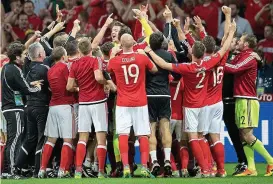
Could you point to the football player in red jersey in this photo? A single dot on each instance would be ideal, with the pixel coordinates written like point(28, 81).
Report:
point(131, 110)
point(61, 118)
point(196, 79)
point(92, 104)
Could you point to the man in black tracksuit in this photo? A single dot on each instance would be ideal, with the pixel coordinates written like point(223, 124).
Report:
point(158, 93)
point(14, 86)
point(36, 108)
point(229, 119)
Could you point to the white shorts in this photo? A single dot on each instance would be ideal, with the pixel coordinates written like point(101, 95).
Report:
point(194, 119)
point(96, 114)
point(176, 125)
point(137, 117)
point(214, 118)
point(61, 122)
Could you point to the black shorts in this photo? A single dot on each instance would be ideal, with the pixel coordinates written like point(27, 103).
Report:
point(159, 107)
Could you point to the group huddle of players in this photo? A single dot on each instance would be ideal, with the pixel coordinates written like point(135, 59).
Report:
point(157, 91)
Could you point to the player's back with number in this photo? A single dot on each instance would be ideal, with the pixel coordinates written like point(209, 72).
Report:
point(130, 73)
point(196, 80)
point(215, 82)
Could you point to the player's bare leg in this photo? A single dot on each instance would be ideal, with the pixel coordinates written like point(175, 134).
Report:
point(218, 153)
point(251, 144)
point(66, 155)
point(46, 154)
point(198, 153)
point(153, 142)
point(164, 128)
point(101, 153)
point(80, 153)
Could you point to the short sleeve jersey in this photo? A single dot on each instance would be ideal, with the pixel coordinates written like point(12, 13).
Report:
point(130, 73)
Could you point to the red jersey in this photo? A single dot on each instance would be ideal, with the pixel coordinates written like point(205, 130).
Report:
point(176, 90)
point(19, 32)
point(35, 22)
point(196, 80)
point(70, 61)
point(75, 11)
point(266, 46)
point(210, 15)
point(252, 8)
point(98, 10)
point(136, 47)
point(83, 71)
point(215, 83)
point(57, 77)
point(130, 73)
point(244, 68)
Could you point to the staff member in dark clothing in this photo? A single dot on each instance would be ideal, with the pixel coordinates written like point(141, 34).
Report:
point(229, 115)
point(36, 108)
point(159, 105)
point(14, 86)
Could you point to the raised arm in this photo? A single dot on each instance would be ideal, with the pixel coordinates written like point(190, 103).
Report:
point(100, 35)
point(228, 41)
point(227, 11)
point(58, 27)
point(258, 17)
point(142, 17)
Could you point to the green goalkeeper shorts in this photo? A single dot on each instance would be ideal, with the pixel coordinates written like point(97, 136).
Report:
point(247, 113)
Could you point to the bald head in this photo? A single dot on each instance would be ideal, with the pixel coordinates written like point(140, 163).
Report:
point(127, 41)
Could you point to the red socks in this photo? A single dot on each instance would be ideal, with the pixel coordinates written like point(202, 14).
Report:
point(66, 155)
point(184, 156)
point(47, 151)
point(80, 154)
point(206, 149)
point(198, 153)
point(124, 148)
point(174, 168)
point(218, 153)
point(101, 154)
point(2, 150)
point(144, 150)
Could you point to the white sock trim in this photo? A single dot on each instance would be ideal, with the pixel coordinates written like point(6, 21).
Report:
point(102, 146)
point(68, 144)
point(217, 142)
point(183, 147)
point(193, 140)
point(50, 144)
point(2, 144)
point(82, 142)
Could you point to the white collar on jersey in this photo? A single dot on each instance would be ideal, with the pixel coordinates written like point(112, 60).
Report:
point(128, 52)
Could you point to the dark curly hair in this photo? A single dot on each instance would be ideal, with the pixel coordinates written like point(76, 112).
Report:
point(15, 49)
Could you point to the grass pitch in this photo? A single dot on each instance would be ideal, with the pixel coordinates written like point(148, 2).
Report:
point(260, 179)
